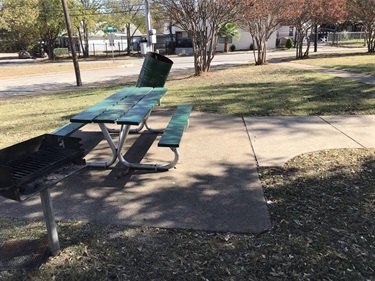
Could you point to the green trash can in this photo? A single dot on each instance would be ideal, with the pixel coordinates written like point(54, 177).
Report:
point(155, 70)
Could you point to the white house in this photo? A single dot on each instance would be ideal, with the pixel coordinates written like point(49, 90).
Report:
point(244, 41)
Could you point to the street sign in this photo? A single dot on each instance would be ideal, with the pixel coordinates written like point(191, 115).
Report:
point(110, 29)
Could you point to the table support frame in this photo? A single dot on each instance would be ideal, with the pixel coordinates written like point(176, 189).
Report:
point(117, 150)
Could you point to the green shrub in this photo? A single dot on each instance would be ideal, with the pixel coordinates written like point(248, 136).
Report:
point(61, 52)
point(289, 43)
point(232, 48)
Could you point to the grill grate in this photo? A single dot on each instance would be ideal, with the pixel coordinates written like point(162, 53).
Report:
point(25, 167)
point(39, 163)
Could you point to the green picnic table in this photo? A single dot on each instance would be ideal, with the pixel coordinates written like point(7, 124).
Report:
point(132, 107)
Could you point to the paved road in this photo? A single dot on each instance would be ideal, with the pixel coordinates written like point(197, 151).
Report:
point(128, 73)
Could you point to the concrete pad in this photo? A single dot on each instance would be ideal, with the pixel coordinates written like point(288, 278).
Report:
point(275, 140)
point(215, 185)
point(360, 128)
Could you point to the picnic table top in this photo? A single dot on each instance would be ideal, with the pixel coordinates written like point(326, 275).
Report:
point(128, 106)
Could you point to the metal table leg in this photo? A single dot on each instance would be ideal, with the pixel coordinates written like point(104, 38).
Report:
point(122, 138)
point(116, 150)
point(53, 238)
point(112, 145)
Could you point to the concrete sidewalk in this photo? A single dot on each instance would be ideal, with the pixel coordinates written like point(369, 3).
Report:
point(215, 185)
point(275, 140)
point(359, 77)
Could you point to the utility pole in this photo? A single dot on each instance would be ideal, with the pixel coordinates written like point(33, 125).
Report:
point(148, 26)
point(316, 38)
point(72, 45)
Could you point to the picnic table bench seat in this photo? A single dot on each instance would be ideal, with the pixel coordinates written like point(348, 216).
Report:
point(68, 129)
point(176, 127)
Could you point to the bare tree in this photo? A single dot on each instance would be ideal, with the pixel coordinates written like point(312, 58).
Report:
point(307, 13)
point(262, 18)
point(202, 20)
point(364, 11)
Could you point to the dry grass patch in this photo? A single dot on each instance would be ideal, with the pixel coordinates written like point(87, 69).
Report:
point(352, 62)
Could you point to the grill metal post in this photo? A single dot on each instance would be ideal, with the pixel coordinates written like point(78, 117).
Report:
point(53, 238)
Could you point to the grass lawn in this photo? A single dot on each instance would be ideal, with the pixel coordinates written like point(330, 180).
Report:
point(354, 62)
point(353, 43)
point(270, 90)
point(26, 117)
point(321, 204)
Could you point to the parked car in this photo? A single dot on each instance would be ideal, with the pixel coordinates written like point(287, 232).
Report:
point(23, 54)
point(323, 34)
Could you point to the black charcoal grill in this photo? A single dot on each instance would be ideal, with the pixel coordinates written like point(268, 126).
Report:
point(33, 165)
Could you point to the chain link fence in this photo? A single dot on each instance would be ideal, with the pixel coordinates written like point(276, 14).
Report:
point(347, 38)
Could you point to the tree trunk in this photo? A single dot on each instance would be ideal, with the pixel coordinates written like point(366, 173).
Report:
point(299, 44)
point(308, 43)
point(197, 55)
point(197, 65)
point(86, 48)
point(370, 39)
point(204, 48)
point(264, 53)
point(51, 50)
point(170, 27)
point(306, 54)
point(261, 58)
point(226, 44)
point(260, 46)
point(79, 38)
point(128, 38)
